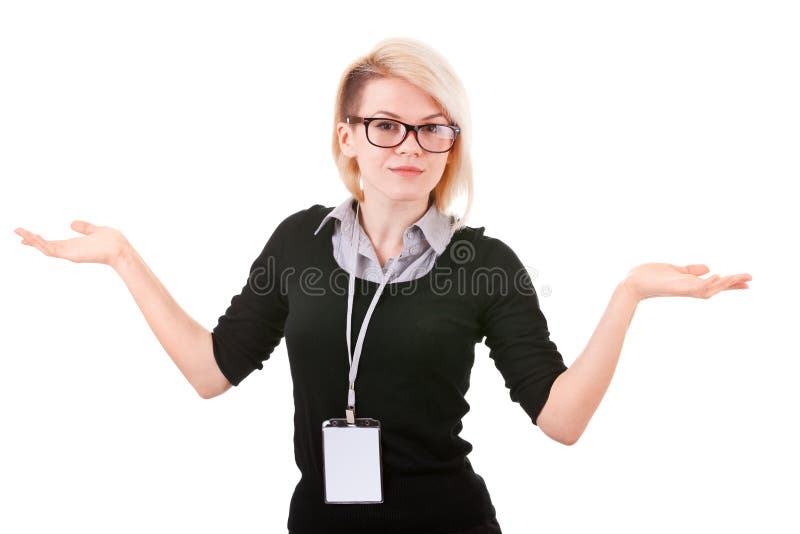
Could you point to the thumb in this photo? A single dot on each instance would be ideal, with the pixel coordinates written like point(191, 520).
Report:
point(83, 227)
point(695, 268)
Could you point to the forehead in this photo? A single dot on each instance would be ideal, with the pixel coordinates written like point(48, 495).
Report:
point(399, 97)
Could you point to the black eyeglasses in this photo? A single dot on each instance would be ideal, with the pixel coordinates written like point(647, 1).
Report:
point(389, 133)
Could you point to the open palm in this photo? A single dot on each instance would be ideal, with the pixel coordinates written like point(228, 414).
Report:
point(101, 244)
point(667, 280)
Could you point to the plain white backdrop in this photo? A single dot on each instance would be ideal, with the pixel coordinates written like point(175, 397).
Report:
point(606, 134)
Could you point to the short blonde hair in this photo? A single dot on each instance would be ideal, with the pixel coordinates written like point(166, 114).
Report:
point(422, 66)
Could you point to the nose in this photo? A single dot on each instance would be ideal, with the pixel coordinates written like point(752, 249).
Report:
point(410, 145)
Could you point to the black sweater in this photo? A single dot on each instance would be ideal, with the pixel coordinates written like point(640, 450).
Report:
point(413, 374)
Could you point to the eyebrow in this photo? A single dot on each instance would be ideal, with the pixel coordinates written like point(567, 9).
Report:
point(429, 117)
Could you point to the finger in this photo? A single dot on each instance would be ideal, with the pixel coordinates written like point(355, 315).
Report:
point(727, 282)
point(83, 227)
point(736, 278)
point(739, 281)
point(21, 232)
point(696, 269)
point(27, 237)
point(36, 241)
point(706, 287)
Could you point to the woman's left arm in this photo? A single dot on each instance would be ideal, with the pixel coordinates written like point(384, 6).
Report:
point(577, 392)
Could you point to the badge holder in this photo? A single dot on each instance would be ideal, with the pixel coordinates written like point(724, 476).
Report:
point(351, 447)
point(352, 461)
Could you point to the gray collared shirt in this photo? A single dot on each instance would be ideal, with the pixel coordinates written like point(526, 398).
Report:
point(423, 242)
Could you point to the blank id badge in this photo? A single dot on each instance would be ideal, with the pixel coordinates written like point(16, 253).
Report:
point(352, 461)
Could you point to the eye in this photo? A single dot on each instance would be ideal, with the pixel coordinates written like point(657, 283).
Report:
point(386, 126)
point(438, 130)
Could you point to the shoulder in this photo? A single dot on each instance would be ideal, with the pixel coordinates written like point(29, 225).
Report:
point(303, 222)
point(502, 280)
point(487, 250)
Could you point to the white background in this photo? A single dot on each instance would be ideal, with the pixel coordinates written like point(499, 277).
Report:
point(606, 134)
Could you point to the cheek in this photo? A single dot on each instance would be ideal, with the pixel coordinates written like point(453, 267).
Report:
point(441, 164)
point(370, 160)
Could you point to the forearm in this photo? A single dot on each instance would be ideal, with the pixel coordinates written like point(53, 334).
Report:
point(577, 392)
point(186, 341)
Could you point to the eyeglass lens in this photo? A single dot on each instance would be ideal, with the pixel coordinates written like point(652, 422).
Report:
point(389, 133)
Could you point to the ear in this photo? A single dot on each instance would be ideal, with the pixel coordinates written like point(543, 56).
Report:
point(449, 157)
point(345, 134)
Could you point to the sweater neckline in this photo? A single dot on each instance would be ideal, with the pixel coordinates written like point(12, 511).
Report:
point(329, 229)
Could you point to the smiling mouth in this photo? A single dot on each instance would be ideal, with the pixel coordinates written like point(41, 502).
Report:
point(408, 172)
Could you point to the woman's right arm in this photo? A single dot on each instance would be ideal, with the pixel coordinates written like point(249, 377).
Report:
point(186, 341)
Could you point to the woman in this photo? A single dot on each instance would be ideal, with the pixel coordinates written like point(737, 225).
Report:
point(391, 261)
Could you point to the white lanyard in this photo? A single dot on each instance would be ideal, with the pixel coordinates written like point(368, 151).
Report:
point(351, 393)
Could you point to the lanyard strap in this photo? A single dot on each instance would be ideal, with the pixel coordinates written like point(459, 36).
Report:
point(355, 356)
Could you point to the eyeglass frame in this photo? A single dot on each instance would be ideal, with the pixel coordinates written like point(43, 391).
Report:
point(352, 119)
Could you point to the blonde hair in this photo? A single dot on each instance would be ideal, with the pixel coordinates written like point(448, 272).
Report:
point(420, 65)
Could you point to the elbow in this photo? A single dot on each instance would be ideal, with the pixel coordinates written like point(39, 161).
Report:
point(214, 390)
point(205, 393)
point(211, 382)
point(207, 389)
point(557, 421)
point(569, 439)
point(567, 434)
point(564, 437)
point(557, 431)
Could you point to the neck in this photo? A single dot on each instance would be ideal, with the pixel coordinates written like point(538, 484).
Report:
point(384, 220)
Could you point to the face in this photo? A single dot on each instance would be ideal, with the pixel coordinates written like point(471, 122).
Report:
point(395, 99)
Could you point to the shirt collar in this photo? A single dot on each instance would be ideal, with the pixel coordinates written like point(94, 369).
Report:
point(437, 227)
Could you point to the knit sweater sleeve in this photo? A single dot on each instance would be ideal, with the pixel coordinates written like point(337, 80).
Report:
point(516, 332)
point(253, 324)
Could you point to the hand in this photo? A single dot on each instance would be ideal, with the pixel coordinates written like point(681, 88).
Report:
point(102, 244)
point(666, 280)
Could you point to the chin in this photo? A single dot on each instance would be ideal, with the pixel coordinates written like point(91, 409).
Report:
point(402, 193)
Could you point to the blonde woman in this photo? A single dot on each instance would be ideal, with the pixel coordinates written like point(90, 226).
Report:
point(381, 344)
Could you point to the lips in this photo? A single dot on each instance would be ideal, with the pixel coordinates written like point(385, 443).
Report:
point(414, 169)
point(407, 171)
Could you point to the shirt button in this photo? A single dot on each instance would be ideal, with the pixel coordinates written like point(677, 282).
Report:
point(410, 234)
point(413, 250)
